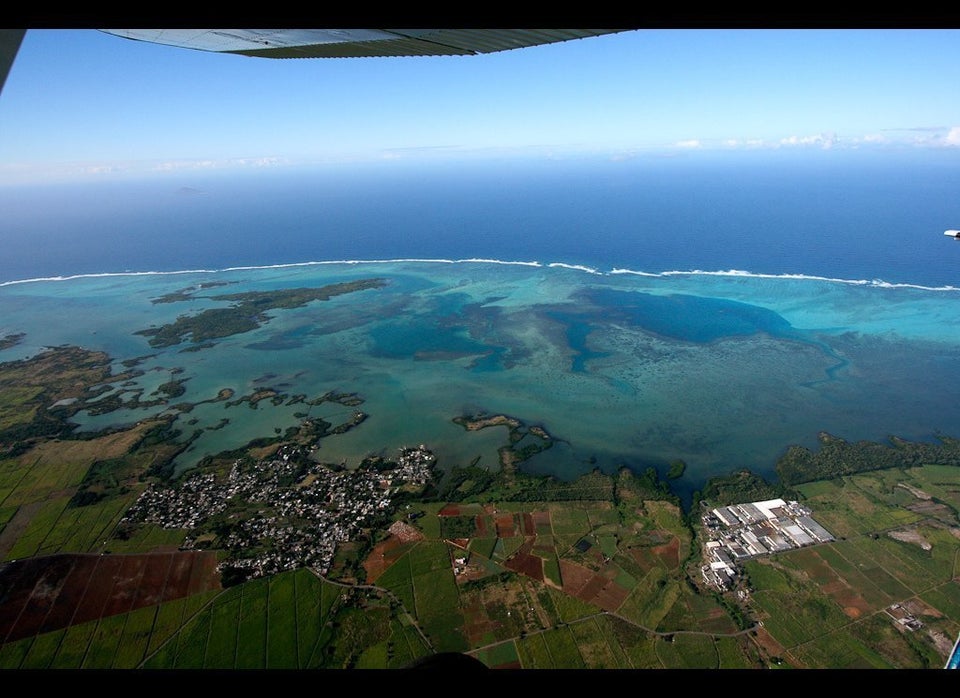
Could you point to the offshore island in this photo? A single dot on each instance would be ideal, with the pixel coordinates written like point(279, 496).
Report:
point(279, 559)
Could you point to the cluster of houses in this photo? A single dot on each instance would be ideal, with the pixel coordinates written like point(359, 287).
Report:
point(743, 531)
point(902, 615)
point(283, 512)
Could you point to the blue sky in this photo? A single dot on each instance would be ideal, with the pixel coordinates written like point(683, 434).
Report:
point(82, 103)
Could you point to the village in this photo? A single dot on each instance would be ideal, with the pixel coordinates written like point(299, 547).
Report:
point(283, 512)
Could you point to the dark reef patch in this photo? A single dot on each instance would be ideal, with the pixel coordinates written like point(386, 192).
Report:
point(689, 318)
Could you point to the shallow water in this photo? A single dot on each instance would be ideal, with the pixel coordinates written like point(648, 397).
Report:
point(723, 371)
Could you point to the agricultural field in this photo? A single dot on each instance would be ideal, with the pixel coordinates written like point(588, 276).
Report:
point(546, 604)
point(620, 599)
point(884, 594)
point(571, 571)
point(604, 573)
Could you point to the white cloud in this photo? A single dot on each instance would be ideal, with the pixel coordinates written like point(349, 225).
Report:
point(953, 136)
point(172, 165)
point(692, 143)
point(823, 140)
point(100, 169)
point(175, 165)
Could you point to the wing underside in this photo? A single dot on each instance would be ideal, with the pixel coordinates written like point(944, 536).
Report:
point(355, 43)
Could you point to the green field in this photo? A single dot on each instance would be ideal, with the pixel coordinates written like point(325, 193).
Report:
point(621, 588)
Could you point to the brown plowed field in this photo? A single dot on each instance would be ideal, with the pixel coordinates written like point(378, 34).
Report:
point(541, 519)
point(771, 647)
point(526, 563)
point(529, 565)
point(477, 623)
point(574, 577)
point(509, 665)
point(669, 553)
point(482, 530)
point(381, 557)
point(506, 527)
point(592, 588)
point(611, 596)
point(48, 593)
point(850, 601)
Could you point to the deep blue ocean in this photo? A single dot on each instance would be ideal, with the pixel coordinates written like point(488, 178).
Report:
point(860, 216)
point(711, 307)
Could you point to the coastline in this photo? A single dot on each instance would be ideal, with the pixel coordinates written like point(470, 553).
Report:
point(634, 524)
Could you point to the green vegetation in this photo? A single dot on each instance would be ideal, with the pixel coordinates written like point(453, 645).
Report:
point(295, 620)
point(286, 622)
point(677, 468)
point(837, 457)
point(38, 395)
point(685, 651)
point(600, 572)
point(247, 312)
point(741, 486)
point(457, 527)
point(172, 388)
point(593, 646)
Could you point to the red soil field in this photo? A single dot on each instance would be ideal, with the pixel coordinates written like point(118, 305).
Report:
point(669, 553)
point(388, 551)
point(644, 558)
point(849, 600)
point(482, 530)
point(505, 526)
point(529, 565)
point(48, 593)
point(525, 563)
point(592, 588)
point(477, 625)
point(611, 596)
point(509, 665)
point(771, 647)
point(574, 577)
point(380, 558)
point(541, 519)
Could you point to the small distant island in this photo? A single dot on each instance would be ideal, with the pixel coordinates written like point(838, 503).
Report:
point(11, 340)
point(185, 294)
point(247, 312)
point(476, 422)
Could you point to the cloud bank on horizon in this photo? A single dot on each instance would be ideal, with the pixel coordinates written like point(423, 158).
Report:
point(84, 103)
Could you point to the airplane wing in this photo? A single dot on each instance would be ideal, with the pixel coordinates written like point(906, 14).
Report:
point(330, 43)
point(355, 43)
point(10, 40)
